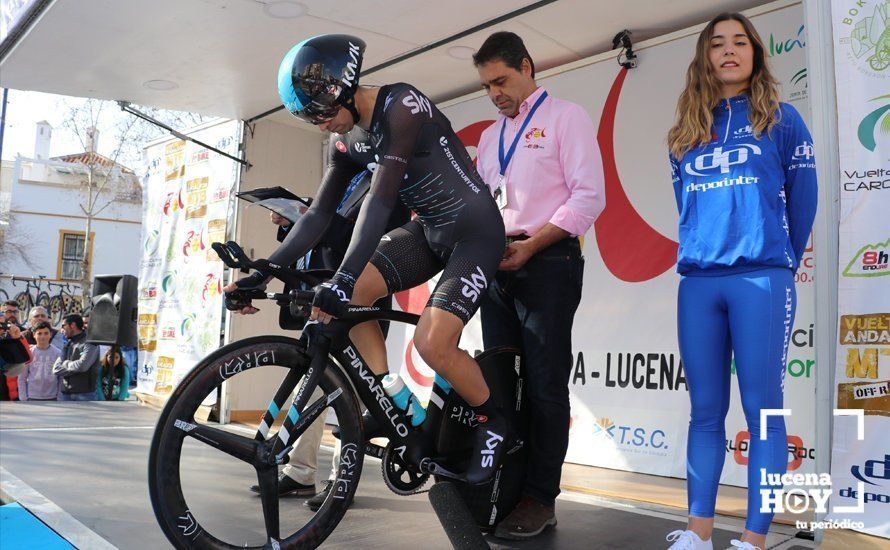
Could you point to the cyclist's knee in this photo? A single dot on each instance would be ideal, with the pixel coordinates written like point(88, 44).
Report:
point(434, 346)
point(369, 288)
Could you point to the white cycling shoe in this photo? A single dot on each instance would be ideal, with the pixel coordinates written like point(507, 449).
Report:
point(739, 545)
point(688, 540)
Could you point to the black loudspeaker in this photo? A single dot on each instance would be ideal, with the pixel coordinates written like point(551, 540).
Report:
point(114, 313)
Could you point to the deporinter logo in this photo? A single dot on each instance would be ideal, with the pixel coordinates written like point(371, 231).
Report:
point(720, 159)
point(351, 69)
point(417, 103)
point(474, 286)
point(804, 151)
point(362, 147)
point(745, 131)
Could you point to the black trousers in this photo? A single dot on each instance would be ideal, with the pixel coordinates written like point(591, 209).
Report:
point(533, 308)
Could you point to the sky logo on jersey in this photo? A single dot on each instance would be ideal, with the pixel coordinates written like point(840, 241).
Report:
point(417, 103)
point(474, 286)
point(720, 158)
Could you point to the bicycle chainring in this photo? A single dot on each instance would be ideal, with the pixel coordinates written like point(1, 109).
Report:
point(398, 477)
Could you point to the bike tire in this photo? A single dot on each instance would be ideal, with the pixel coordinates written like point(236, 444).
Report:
point(42, 299)
point(3, 295)
point(55, 310)
point(25, 301)
point(177, 522)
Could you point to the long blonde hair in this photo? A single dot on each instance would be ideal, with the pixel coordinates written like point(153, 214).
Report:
point(694, 119)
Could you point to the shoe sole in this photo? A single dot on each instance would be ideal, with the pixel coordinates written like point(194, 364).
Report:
point(523, 536)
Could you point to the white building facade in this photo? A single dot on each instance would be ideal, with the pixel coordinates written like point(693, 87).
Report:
point(47, 206)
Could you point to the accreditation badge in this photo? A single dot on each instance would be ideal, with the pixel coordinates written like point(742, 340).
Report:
point(500, 192)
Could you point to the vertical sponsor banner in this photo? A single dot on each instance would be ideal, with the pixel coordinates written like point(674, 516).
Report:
point(860, 467)
point(630, 403)
point(188, 194)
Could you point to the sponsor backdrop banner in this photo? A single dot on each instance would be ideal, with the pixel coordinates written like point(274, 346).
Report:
point(630, 406)
point(860, 469)
point(188, 193)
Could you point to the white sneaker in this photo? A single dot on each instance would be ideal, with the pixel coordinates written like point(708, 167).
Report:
point(739, 545)
point(688, 540)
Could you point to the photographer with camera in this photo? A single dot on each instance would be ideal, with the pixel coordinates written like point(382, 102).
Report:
point(14, 353)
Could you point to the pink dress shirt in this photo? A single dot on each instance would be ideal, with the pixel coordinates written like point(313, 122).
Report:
point(556, 174)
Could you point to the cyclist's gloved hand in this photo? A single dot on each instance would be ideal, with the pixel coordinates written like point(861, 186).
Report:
point(254, 281)
point(234, 295)
point(332, 297)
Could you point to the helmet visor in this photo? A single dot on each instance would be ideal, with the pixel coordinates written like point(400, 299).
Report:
point(317, 99)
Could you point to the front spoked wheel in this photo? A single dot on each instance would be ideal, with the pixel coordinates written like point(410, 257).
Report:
point(200, 471)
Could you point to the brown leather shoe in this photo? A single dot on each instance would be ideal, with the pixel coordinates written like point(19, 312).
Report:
point(529, 519)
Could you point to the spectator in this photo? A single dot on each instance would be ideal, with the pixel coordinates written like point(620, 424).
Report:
point(39, 315)
point(37, 381)
point(11, 310)
point(12, 358)
point(78, 367)
point(114, 377)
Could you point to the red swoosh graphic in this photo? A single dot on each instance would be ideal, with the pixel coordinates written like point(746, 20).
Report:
point(413, 301)
point(631, 249)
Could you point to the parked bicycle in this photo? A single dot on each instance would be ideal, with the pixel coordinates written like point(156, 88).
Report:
point(325, 359)
point(62, 304)
point(25, 298)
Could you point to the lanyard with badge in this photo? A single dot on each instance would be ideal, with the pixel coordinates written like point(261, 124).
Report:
point(500, 193)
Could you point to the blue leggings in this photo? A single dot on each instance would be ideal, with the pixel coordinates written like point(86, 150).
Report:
point(750, 315)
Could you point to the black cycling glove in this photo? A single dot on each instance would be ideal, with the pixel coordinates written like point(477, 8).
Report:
point(235, 299)
point(333, 296)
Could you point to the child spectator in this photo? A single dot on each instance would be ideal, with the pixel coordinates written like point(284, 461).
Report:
point(37, 381)
point(114, 378)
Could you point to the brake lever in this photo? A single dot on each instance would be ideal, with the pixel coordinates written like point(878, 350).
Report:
point(239, 254)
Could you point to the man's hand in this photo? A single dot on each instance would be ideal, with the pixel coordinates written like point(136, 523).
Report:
point(14, 332)
point(279, 220)
point(331, 299)
point(516, 255)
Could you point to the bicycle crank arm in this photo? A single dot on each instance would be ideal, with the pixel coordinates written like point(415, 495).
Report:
point(427, 466)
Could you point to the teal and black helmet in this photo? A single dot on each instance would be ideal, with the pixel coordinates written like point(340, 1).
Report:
point(319, 75)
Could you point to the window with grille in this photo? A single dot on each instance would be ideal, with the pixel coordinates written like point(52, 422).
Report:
point(72, 255)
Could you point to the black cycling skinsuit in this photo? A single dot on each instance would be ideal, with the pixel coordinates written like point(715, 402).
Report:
point(420, 161)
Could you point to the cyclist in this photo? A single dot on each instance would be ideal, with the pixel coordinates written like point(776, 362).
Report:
point(457, 229)
point(348, 158)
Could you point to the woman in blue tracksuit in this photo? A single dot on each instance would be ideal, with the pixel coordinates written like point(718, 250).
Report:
point(745, 184)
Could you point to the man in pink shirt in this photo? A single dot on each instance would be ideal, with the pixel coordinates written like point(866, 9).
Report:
point(540, 159)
